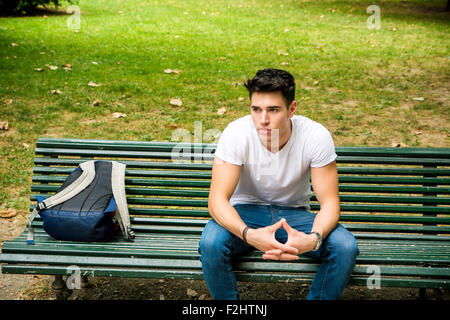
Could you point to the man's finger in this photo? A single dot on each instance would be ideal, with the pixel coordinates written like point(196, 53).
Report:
point(289, 249)
point(276, 252)
point(276, 225)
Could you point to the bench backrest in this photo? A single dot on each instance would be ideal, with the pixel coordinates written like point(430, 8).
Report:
point(385, 192)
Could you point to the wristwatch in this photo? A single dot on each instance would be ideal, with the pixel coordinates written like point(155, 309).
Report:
point(319, 240)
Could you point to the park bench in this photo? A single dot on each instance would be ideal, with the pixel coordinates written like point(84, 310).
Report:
point(394, 200)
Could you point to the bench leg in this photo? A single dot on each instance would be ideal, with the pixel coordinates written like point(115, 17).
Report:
point(58, 287)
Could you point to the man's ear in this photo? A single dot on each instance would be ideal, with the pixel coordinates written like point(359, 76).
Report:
point(292, 108)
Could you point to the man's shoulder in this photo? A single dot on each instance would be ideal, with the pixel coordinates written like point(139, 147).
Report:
point(240, 126)
point(304, 124)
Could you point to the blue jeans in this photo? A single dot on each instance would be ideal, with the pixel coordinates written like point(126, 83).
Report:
point(218, 246)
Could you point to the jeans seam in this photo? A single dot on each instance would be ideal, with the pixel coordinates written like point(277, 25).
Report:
point(323, 280)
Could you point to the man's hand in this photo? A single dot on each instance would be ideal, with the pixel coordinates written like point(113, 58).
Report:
point(296, 239)
point(264, 240)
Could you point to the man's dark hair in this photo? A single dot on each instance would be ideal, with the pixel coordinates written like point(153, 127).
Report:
point(272, 80)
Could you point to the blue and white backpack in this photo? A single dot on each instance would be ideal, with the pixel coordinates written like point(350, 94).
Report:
point(91, 205)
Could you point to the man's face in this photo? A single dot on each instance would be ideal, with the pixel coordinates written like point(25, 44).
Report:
point(271, 116)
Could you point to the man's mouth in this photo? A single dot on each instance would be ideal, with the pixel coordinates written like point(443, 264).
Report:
point(264, 130)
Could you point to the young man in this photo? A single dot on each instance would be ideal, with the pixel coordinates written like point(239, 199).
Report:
point(260, 190)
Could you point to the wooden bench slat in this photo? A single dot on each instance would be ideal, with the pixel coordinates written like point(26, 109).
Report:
point(360, 151)
point(208, 166)
point(187, 170)
point(205, 193)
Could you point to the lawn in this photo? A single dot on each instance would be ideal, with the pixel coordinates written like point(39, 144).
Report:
point(367, 86)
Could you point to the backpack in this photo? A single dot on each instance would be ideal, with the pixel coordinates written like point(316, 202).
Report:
point(91, 205)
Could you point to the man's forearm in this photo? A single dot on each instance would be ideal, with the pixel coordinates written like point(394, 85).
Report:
point(326, 219)
point(226, 216)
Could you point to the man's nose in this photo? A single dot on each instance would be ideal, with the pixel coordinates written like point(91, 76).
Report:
point(264, 118)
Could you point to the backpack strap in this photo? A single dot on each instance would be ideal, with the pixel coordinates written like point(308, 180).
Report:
point(118, 188)
point(72, 190)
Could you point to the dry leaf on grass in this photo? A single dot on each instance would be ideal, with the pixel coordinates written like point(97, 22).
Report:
point(221, 111)
point(4, 125)
point(222, 58)
point(14, 44)
point(56, 91)
point(67, 67)
point(418, 99)
point(93, 84)
point(172, 71)
point(96, 102)
point(176, 102)
point(51, 67)
point(280, 53)
point(118, 115)
point(8, 101)
point(38, 69)
point(7, 213)
point(398, 145)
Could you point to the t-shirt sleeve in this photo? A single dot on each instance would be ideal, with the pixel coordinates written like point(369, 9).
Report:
point(231, 147)
point(322, 151)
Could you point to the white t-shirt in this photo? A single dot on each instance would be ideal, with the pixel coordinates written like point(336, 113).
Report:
point(281, 178)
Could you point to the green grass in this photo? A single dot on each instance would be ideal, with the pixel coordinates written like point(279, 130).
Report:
point(359, 83)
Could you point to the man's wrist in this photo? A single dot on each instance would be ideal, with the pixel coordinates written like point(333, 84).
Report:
point(317, 240)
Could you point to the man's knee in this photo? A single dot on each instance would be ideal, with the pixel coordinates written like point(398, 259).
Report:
point(343, 244)
point(213, 241)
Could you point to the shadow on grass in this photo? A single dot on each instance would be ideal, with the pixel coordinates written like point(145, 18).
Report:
point(37, 12)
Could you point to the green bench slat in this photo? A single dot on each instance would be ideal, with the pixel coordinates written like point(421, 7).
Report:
point(360, 151)
point(200, 166)
point(207, 175)
point(168, 165)
point(342, 188)
point(314, 207)
point(209, 157)
point(205, 194)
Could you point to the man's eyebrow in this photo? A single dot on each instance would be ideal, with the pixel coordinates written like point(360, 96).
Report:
point(269, 107)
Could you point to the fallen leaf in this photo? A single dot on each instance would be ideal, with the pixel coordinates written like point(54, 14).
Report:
point(282, 53)
point(8, 101)
point(191, 293)
point(38, 69)
point(398, 145)
point(119, 115)
point(176, 102)
point(7, 213)
point(172, 71)
point(418, 99)
point(119, 62)
point(4, 125)
point(94, 62)
point(392, 29)
point(221, 111)
point(56, 91)
point(96, 102)
point(223, 58)
point(14, 44)
point(284, 63)
point(316, 82)
point(67, 67)
point(93, 84)
point(51, 67)
point(26, 145)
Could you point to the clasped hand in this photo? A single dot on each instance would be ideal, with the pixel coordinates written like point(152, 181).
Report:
point(264, 240)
